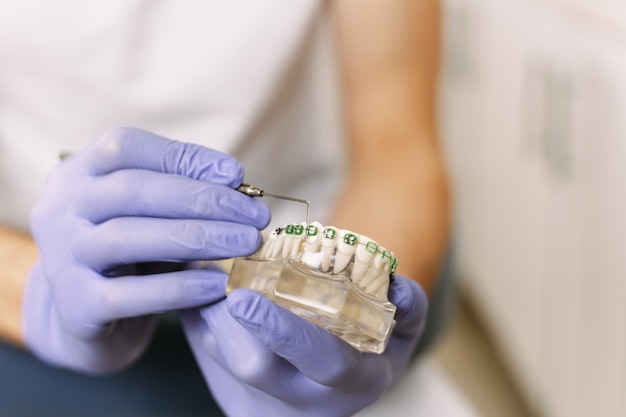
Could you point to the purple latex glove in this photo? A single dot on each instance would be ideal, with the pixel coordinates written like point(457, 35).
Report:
point(260, 359)
point(131, 203)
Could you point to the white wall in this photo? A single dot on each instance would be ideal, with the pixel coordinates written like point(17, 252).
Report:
point(534, 125)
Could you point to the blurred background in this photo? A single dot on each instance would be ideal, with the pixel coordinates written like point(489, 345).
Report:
point(533, 119)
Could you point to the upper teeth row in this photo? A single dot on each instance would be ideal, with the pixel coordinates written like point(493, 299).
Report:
point(334, 251)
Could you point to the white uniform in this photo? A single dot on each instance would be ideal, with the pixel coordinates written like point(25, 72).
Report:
point(254, 79)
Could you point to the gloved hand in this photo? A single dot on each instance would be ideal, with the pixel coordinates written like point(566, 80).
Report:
point(130, 200)
point(260, 359)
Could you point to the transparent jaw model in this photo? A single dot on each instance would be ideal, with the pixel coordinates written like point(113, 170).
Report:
point(332, 277)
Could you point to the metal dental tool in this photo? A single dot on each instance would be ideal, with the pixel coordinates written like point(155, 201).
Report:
point(253, 191)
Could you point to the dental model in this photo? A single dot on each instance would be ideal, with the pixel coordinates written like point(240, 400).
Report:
point(332, 277)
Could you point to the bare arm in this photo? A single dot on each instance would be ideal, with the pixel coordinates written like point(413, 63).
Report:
point(397, 189)
point(17, 254)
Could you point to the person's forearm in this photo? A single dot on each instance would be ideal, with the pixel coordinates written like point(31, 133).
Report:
point(17, 255)
point(397, 191)
point(406, 211)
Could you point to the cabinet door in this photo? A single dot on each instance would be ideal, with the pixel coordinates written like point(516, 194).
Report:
point(534, 126)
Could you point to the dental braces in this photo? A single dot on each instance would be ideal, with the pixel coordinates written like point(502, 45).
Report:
point(335, 251)
point(348, 238)
point(332, 277)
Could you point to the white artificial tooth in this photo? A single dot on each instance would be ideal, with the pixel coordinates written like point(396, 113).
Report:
point(383, 265)
point(312, 259)
point(370, 288)
point(298, 236)
point(294, 233)
point(329, 242)
point(346, 245)
point(313, 239)
point(388, 262)
point(377, 284)
point(364, 254)
point(266, 248)
point(373, 273)
point(359, 271)
point(287, 240)
point(311, 254)
point(387, 268)
point(277, 246)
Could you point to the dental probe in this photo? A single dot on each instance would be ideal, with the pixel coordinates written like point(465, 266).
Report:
point(253, 191)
